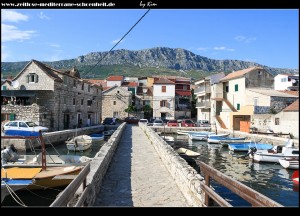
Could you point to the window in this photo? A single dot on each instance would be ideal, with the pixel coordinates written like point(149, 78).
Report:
point(4, 88)
point(259, 72)
point(238, 106)
point(255, 101)
point(89, 102)
point(163, 103)
point(22, 124)
point(236, 87)
point(74, 83)
point(276, 121)
point(283, 79)
point(163, 89)
point(115, 114)
point(118, 92)
point(227, 89)
point(114, 102)
point(185, 87)
point(81, 101)
point(32, 78)
point(82, 86)
point(74, 101)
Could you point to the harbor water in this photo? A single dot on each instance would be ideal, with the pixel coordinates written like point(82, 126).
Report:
point(271, 179)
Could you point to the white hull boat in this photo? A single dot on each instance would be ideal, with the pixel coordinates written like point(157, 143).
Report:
point(289, 163)
point(9, 186)
point(79, 143)
point(187, 152)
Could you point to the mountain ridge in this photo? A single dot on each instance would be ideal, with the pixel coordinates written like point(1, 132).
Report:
point(172, 61)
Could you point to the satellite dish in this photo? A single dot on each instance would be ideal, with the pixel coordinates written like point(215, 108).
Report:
point(15, 84)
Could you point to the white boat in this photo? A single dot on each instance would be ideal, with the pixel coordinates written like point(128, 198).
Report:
point(9, 186)
point(51, 161)
point(289, 163)
point(168, 138)
point(187, 152)
point(185, 132)
point(79, 143)
point(276, 153)
point(199, 136)
point(224, 139)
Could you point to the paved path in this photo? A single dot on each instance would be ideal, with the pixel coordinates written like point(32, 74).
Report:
point(137, 176)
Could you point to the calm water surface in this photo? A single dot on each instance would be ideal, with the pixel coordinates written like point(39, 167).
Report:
point(269, 179)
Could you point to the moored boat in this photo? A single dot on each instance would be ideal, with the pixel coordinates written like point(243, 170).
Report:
point(187, 152)
point(79, 143)
point(97, 137)
point(295, 177)
point(219, 139)
point(244, 147)
point(289, 163)
point(9, 186)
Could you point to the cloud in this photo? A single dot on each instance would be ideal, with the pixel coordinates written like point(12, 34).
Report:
point(12, 16)
point(116, 41)
point(41, 15)
point(223, 48)
point(5, 53)
point(11, 33)
point(244, 39)
point(54, 45)
point(203, 48)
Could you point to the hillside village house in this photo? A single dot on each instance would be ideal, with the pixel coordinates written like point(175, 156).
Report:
point(286, 82)
point(203, 95)
point(115, 100)
point(50, 97)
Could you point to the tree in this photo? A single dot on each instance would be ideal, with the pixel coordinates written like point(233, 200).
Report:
point(130, 109)
point(148, 111)
point(193, 109)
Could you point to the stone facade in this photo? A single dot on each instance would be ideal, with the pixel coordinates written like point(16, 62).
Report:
point(115, 101)
point(70, 101)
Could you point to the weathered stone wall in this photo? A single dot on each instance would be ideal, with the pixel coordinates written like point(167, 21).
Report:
point(186, 177)
point(99, 166)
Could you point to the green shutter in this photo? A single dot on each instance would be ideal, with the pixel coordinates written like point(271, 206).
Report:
point(4, 88)
point(36, 78)
point(11, 116)
point(236, 87)
point(238, 106)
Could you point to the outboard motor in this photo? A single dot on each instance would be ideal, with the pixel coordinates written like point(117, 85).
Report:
point(251, 151)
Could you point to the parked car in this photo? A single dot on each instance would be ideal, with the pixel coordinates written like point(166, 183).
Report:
point(131, 120)
point(187, 123)
point(202, 123)
point(144, 121)
point(158, 122)
point(22, 128)
point(172, 123)
point(180, 118)
point(108, 121)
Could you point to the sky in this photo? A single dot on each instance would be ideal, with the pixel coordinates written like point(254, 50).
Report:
point(268, 37)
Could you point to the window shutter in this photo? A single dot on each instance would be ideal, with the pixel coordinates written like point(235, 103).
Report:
point(11, 116)
point(161, 103)
point(27, 78)
point(36, 78)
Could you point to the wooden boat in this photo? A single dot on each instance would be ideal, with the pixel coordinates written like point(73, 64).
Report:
point(79, 143)
point(244, 147)
point(42, 176)
point(9, 186)
point(223, 139)
point(276, 153)
point(295, 177)
point(51, 161)
point(289, 163)
point(187, 152)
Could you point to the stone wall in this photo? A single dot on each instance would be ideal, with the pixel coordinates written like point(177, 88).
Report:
point(186, 177)
point(99, 166)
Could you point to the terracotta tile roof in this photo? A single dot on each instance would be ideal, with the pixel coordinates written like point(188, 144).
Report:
point(293, 107)
point(106, 88)
point(97, 82)
point(163, 81)
point(296, 93)
point(130, 84)
point(115, 78)
point(51, 72)
point(239, 73)
point(271, 92)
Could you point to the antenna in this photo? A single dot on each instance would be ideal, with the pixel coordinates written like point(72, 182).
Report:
point(15, 84)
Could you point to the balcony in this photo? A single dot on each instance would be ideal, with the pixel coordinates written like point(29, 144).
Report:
point(203, 90)
point(203, 104)
point(183, 107)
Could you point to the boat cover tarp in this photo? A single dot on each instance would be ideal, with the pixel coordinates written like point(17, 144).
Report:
point(20, 173)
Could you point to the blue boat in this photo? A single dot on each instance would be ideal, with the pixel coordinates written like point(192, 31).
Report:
point(244, 147)
point(96, 137)
point(219, 139)
point(8, 185)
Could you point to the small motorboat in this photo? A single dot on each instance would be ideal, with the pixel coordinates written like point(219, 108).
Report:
point(219, 139)
point(244, 147)
point(97, 137)
point(289, 163)
point(187, 152)
point(295, 177)
point(79, 143)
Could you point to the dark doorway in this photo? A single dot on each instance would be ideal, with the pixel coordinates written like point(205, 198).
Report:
point(66, 121)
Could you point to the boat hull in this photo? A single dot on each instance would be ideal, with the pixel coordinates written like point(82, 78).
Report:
point(289, 163)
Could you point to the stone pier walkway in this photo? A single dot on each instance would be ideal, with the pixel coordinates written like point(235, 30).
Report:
point(137, 176)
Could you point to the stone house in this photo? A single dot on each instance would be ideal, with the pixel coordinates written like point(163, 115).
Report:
point(52, 98)
point(114, 102)
point(286, 82)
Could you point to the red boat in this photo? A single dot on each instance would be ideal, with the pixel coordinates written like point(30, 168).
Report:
point(295, 177)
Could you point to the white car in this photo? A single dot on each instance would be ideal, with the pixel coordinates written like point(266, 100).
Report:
point(22, 128)
point(144, 121)
point(158, 122)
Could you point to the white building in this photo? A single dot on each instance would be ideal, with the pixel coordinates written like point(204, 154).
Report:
point(114, 80)
point(164, 99)
point(286, 82)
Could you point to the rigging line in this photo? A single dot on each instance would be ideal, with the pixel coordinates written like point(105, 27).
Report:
point(115, 44)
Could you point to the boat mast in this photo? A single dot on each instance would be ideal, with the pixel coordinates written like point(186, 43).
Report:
point(44, 166)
